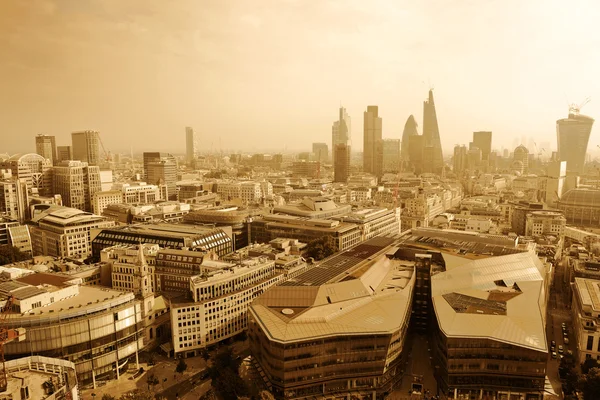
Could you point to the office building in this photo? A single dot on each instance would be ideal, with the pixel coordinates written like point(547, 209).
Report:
point(130, 272)
point(34, 169)
point(45, 146)
point(341, 166)
point(101, 200)
point(14, 197)
point(33, 377)
point(85, 147)
point(371, 140)
point(410, 129)
point(460, 159)
point(77, 182)
point(340, 131)
point(63, 153)
point(483, 141)
point(521, 159)
point(545, 223)
point(431, 136)
point(581, 207)
point(415, 153)
point(586, 318)
point(573, 134)
point(391, 155)
point(190, 145)
point(65, 232)
point(321, 152)
point(374, 222)
point(100, 330)
point(337, 330)
point(175, 236)
point(159, 169)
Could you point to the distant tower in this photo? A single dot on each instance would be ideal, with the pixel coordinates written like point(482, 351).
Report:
point(460, 159)
point(85, 146)
point(340, 131)
point(372, 141)
point(410, 129)
point(483, 141)
point(431, 136)
point(521, 155)
point(573, 134)
point(45, 146)
point(190, 144)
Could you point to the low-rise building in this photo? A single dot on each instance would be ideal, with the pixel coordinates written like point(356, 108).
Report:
point(586, 318)
point(39, 377)
point(538, 223)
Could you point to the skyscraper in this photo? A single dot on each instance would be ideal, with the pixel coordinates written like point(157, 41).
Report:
point(391, 155)
point(410, 129)
point(371, 140)
point(483, 141)
point(161, 168)
point(573, 134)
point(340, 131)
point(85, 147)
point(45, 146)
point(341, 167)
point(190, 144)
point(63, 153)
point(431, 136)
point(76, 182)
point(460, 159)
point(321, 152)
point(521, 159)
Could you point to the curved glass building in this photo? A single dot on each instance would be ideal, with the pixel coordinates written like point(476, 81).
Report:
point(573, 134)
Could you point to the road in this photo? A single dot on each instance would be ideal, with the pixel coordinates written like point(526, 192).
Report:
point(180, 389)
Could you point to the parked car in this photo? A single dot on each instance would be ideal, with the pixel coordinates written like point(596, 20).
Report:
point(553, 354)
point(561, 349)
point(566, 340)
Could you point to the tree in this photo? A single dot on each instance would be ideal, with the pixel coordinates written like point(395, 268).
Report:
point(568, 372)
point(107, 396)
point(226, 380)
point(152, 381)
point(588, 364)
point(204, 354)
point(11, 254)
point(181, 366)
point(590, 384)
point(319, 248)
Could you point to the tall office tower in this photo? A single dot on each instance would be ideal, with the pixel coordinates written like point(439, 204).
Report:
point(341, 167)
point(410, 129)
point(63, 153)
point(521, 159)
point(460, 159)
point(391, 155)
point(190, 144)
point(14, 198)
point(474, 158)
point(340, 131)
point(483, 141)
point(371, 138)
point(161, 168)
point(76, 182)
point(35, 169)
point(321, 152)
point(85, 147)
point(431, 135)
point(573, 134)
point(45, 146)
point(415, 153)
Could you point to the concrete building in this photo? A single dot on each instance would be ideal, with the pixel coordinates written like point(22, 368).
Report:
point(86, 147)
point(586, 318)
point(314, 335)
point(64, 153)
point(539, 223)
point(341, 133)
point(460, 159)
point(14, 196)
point(371, 138)
point(65, 232)
point(307, 169)
point(76, 182)
point(341, 166)
point(190, 145)
point(314, 207)
point(573, 134)
point(321, 152)
point(221, 301)
point(101, 200)
point(374, 222)
point(483, 141)
point(34, 169)
point(391, 155)
point(581, 207)
point(99, 330)
point(39, 377)
point(161, 168)
point(139, 192)
point(132, 268)
point(45, 146)
point(521, 159)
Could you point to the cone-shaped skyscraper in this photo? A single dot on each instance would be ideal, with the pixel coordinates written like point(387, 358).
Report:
point(410, 129)
point(431, 137)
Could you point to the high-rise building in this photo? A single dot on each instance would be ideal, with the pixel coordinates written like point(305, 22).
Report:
point(13, 196)
point(190, 144)
point(161, 168)
point(431, 136)
point(340, 131)
point(341, 168)
point(45, 146)
point(415, 153)
point(483, 141)
point(76, 182)
point(63, 153)
point(573, 134)
point(521, 159)
point(321, 152)
point(410, 129)
point(460, 159)
point(371, 138)
point(35, 169)
point(85, 147)
point(391, 155)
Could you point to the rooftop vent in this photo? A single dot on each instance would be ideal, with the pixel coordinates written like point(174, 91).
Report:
point(287, 311)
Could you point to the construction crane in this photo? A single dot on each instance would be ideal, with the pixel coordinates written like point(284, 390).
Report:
point(576, 108)
point(6, 336)
point(106, 153)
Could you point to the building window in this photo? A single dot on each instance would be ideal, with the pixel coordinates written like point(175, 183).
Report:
point(590, 342)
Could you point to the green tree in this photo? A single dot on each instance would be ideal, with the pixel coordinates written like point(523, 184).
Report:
point(567, 371)
point(319, 248)
point(590, 384)
point(226, 380)
point(11, 254)
point(588, 364)
point(181, 366)
point(152, 381)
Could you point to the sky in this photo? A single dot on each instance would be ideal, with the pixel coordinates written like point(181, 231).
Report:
point(270, 75)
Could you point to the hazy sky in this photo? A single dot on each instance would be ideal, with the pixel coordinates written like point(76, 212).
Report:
point(270, 74)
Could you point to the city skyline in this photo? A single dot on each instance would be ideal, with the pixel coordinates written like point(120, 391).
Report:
point(152, 58)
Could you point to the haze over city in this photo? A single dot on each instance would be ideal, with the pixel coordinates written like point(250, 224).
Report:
point(270, 75)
